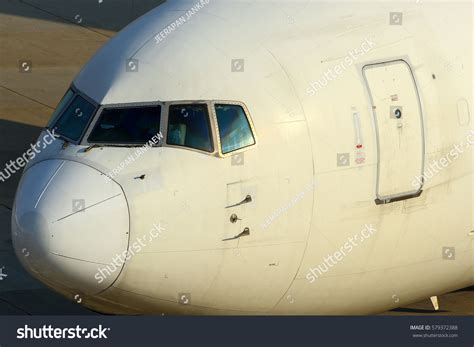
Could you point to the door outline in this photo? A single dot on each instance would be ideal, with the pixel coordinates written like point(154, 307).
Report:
point(403, 195)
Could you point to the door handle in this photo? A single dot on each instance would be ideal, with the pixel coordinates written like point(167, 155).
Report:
point(247, 199)
point(245, 232)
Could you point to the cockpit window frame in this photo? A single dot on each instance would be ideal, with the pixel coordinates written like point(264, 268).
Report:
point(212, 130)
point(165, 106)
point(54, 118)
point(213, 104)
point(76, 92)
point(85, 139)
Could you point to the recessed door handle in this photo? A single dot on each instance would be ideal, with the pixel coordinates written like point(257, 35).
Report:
point(247, 199)
point(245, 232)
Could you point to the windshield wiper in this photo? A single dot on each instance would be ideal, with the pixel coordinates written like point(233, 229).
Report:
point(95, 145)
point(115, 145)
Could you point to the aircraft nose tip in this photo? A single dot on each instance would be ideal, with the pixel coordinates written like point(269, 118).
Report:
point(29, 239)
point(68, 222)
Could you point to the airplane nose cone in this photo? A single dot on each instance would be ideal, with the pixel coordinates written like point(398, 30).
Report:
point(68, 222)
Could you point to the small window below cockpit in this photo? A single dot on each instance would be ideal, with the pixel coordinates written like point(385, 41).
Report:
point(127, 125)
point(189, 126)
point(235, 131)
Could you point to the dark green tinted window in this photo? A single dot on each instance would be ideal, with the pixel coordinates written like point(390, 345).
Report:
point(234, 128)
point(127, 125)
point(61, 106)
point(75, 118)
point(188, 126)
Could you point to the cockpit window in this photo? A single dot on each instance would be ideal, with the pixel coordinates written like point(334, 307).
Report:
point(127, 125)
point(234, 129)
point(75, 118)
point(189, 126)
point(61, 106)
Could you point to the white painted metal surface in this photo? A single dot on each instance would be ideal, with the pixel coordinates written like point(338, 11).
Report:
point(312, 183)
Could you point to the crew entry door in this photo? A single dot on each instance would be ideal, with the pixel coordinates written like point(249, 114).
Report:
point(399, 131)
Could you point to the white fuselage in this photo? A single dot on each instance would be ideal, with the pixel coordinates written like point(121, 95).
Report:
point(339, 221)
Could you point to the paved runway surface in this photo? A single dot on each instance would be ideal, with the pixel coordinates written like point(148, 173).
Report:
point(55, 38)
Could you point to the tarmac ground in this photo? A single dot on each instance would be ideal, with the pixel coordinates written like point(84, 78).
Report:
point(55, 40)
